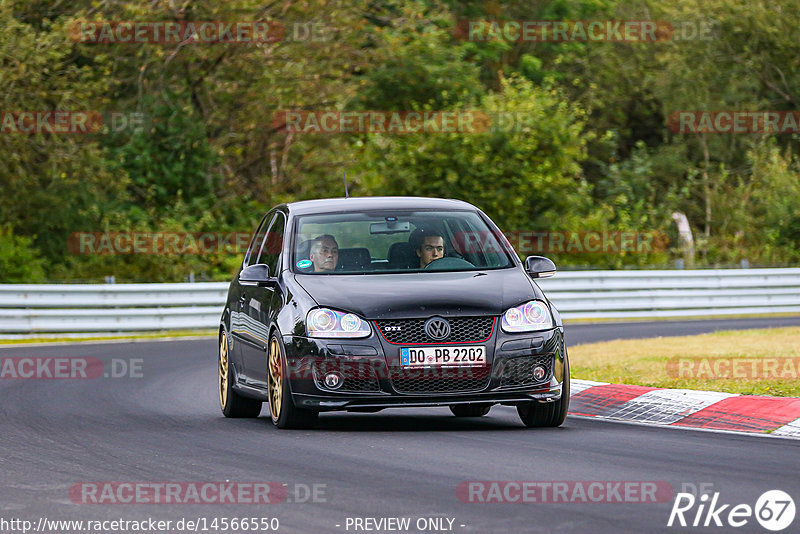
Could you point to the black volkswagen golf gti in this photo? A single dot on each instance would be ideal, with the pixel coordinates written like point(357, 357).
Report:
point(362, 304)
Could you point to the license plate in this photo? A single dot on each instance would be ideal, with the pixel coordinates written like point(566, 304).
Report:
point(443, 356)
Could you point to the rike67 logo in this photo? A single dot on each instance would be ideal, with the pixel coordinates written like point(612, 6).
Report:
point(774, 510)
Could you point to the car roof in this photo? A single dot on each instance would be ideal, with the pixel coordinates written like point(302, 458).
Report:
point(328, 205)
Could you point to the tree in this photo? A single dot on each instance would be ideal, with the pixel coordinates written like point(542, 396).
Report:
point(525, 177)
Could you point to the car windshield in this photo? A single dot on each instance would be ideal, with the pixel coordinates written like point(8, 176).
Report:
point(396, 241)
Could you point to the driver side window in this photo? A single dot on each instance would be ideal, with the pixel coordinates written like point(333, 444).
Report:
point(253, 251)
point(273, 244)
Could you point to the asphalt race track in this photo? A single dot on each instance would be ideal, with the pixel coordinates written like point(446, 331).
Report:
point(166, 426)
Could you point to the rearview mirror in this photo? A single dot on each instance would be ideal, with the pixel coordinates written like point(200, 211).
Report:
point(539, 267)
point(389, 227)
point(255, 275)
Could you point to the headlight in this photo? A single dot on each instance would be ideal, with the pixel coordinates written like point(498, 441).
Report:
point(528, 317)
point(323, 322)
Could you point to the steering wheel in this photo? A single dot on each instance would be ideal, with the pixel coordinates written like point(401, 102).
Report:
point(447, 263)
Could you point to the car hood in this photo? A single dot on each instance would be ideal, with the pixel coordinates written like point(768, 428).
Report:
point(406, 295)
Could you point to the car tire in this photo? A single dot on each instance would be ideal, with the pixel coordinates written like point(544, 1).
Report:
point(550, 414)
point(470, 410)
point(232, 404)
point(283, 412)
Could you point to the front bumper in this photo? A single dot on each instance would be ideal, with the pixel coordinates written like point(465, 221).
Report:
point(373, 378)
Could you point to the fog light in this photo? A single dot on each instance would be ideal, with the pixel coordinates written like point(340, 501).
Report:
point(539, 372)
point(333, 381)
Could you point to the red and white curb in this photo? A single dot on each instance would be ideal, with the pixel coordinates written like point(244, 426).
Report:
point(710, 410)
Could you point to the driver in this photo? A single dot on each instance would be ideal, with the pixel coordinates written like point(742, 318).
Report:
point(429, 245)
point(324, 253)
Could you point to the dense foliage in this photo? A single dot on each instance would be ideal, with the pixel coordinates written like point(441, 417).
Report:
point(190, 142)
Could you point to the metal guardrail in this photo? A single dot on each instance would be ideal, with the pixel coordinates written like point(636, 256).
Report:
point(111, 307)
point(636, 294)
point(577, 294)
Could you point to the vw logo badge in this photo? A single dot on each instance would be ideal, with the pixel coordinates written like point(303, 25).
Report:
point(437, 328)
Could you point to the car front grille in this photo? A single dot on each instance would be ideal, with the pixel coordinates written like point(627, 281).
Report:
point(412, 331)
point(519, 371)
point(358, 377)
point(440, 380)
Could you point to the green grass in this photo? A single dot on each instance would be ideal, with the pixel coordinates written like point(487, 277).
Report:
point(656, 362)
point(114, 337)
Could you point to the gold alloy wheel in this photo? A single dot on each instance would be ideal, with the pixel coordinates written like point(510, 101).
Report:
point(275, 379)
point(223, 370)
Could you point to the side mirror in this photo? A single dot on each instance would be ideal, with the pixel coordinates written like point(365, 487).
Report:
point(539, 267)
point(255, 275)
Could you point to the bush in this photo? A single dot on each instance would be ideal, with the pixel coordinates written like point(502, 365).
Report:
point(20, 262)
